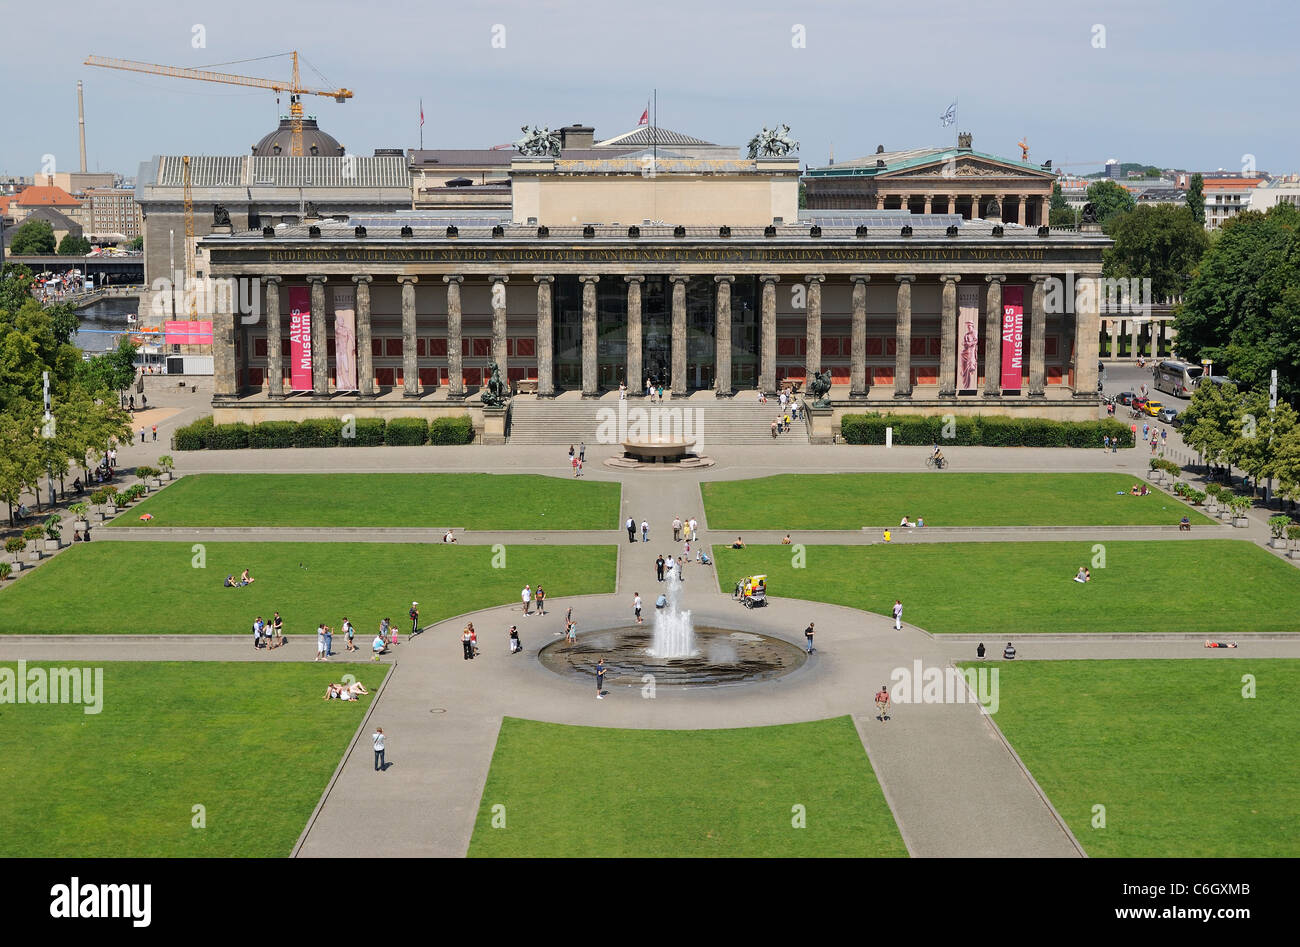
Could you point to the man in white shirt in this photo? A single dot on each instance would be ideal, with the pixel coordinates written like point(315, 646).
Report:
point(527, 596)
point(695, 530)
point(645, 531)
point(377, 738)
point(677, 529)
point(898, 615)
point(630, 526)
point(636, 606)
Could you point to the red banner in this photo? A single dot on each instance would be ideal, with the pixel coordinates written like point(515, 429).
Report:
point(300, 338)
point(1013, 336)
point(179, 332)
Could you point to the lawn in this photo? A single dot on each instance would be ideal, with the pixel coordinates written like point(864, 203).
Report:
point(253, 745)
point(853, 500)
point(1210, 587)
point(435, 501)
point(576, 792)
point(1183, 764)
point(159, 588)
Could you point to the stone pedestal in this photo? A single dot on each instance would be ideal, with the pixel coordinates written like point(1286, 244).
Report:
point(494, 425)
point(822, 423)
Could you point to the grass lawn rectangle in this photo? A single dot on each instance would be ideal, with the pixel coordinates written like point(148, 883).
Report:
point(435, 501)
point(253, 745)
point(1184, 765)
point(575, 792)
point(156, 588)
point(1210, 586)
point(943, 498)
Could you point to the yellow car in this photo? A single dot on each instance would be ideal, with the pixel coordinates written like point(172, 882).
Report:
point(1153, 408)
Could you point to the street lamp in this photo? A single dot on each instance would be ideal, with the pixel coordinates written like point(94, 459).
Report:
point(47, 432)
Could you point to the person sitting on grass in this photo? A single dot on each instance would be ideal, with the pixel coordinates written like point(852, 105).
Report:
point(230, 583)
point(786, 541)
point(1133, 491)
point(738, 544)
point(920, 522)
point(1081, 575)
point(1145, 490)
point(904, 522)
point(1185, 523)
point(449, 537)
point(245, 578)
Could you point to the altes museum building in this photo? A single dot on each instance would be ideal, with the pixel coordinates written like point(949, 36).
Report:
point(922, 281)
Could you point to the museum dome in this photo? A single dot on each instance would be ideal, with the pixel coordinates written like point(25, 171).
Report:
point(314, 141)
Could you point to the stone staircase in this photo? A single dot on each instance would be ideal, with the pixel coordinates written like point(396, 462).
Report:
point(712, 421)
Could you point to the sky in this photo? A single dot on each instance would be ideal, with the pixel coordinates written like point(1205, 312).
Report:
point(1193, 85)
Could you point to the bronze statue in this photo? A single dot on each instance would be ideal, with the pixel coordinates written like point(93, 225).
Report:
point(772, 143)
point(494, 395)
point(220, 216)
point(819, 386)
point(1089, 214)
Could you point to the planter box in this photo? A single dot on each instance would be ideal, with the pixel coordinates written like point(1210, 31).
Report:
point(34, 555)
point(1294, 552)
point(16, 567)
point(79, 525)
point(1277, 543)
point(1155, 476)
point(1241, 522)
point(53, 545)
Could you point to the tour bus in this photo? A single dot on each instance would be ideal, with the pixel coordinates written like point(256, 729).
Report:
point(1176, 378)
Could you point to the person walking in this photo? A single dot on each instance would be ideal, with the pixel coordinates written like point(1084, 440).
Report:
point(155, 432)
point(582, 452)
point(695, 530)
point(681, 573)
point(348, 633)
point(540, 596)
point(600, 679)
point(141, 435)
point(636, 606)
point(1105, 443)
point(515, 646)
point(377, 740)
point(659, 568)
point(808, 636)
point(329, 642)
point(572, 455)
point(645, 531)
point(465, 643)
point(631, 529)
point(527, 596)
point(677, 529)
point(898, 615)
point(277, 628)
point(414, 615)
point(320, 643)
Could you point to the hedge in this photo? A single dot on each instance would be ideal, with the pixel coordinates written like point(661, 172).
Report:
point(367, 432)
point(991, 430)
point(328, 432)
point(456, 430)
point(318, 432)
point(406, 432)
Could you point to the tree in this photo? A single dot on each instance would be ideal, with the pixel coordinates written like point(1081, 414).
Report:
point(111, 372)
point(1242, 309)
point(1059, 213)
point(1161, 242)
point(72, 245)
point(33, 237)
point(136, 244)
point(20, 458)
point(15, 286)
point(1260, 434)
point(1108, 199)
point(1210, 421)
point(1196, 198)
point(64, 321)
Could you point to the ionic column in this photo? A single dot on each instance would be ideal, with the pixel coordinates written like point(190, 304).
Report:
point(1087, 332)
point(455, 369)
point(635, 378)
point(410, 363)
point(903, 200)
point(993, 337)
point(813, 360)
point(903, 333)
point(320, 353)
point(975, 207)
point(590, 377)
point(952, 203)
point(499, 354)
point(767, 336)
point(722, 337)
point(1024, 199)
point(365, 359)
point(1038, 338)
point(929, 199)
point(274, 360)
point(1044, 211)
point(880, 202)
point(679, 334)
point(545, 337)
point(1133, 338)
point(948, 338)
point(858, 385)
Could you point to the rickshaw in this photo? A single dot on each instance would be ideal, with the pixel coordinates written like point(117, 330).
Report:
point(751, 591)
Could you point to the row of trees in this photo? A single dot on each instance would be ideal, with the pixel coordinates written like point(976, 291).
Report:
point(84, 393)
point(36, 237)
point(1230, 427)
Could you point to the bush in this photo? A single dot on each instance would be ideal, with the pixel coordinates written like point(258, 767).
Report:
point(52, 528)
point(272, 434)
point(1293, 533)
point(406, 432)
point(367, 432)
point(228, 436)
point(14, 545)
point(1277, 525)
point(33, 532)
point(987, 430)
point(143, 471)
point(99, 497)
point(193, 436)
point(317, 432)
point(79, 510)
point(1214, 489)
point(6, 570)
point(457, 430)
point(863, 428)
point(165, 462)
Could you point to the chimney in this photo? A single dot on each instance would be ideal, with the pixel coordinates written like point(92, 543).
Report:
point(577, 136)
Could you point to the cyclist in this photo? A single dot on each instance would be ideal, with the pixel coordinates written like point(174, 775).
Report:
point(937, 457)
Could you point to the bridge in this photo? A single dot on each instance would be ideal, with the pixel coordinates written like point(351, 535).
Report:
point(112, 270)
point(89, 298)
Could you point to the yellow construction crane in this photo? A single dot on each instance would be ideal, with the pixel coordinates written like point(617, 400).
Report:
point(188, 182)
point(294, 87)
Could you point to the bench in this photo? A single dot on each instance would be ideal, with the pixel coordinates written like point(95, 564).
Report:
point(526, 386)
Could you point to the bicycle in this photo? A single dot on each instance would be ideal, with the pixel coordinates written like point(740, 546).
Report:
point(937, 462)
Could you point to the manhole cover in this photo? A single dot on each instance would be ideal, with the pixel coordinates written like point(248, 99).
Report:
point(438, 710)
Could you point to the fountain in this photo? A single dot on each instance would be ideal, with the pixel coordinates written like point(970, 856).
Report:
point(674, 635)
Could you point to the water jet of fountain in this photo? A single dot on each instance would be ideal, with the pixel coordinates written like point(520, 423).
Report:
point(674, 635)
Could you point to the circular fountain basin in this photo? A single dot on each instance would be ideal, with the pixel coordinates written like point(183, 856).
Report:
point(657, 452)
point(722, 656)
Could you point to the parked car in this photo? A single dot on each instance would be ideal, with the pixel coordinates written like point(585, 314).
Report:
point(1152, 408)
point(1167, 415)
point(1126, 397)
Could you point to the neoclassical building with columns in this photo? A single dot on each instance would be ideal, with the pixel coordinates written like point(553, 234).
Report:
point(701, 275)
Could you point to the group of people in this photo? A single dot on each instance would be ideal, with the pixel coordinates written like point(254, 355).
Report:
point(1008, 653)
point(578, 458)
point(789, 410)
point(345, 691)
point(268, 635)
point(905, 523)
point(245, 578)
point(529, 597)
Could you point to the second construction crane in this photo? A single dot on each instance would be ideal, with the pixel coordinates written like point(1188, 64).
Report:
point(294, 86)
